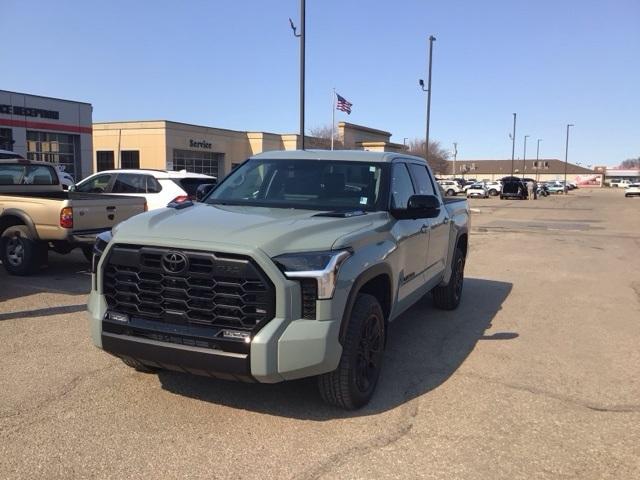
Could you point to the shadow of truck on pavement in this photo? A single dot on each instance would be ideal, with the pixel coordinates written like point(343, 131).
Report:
point(425, 347)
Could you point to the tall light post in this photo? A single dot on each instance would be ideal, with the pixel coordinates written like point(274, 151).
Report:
point(404, 142)
point(428, 90)
point(455, 156)
point(301, 36)
point(524, 155)
point(513, 142)
point(566, 158)
point(538, 160)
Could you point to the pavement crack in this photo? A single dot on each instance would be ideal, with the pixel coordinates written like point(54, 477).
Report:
point(622, 408)
point(46, 402)
point(403, 428)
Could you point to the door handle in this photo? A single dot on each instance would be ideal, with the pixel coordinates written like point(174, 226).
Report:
point(111, 208)
point(424, 228)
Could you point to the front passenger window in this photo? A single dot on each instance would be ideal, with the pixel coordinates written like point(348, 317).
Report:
point(95, 185)
point(401, 186)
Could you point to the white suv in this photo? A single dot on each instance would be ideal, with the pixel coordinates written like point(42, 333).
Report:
point(632, 190)
point(450, 187)
point(159, 187)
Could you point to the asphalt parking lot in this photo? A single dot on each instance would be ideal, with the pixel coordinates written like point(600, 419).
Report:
point(536, 375)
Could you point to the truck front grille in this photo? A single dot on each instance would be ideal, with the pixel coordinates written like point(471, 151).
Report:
point(188, 287)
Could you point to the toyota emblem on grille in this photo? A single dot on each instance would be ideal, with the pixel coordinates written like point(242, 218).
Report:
point(174, 262)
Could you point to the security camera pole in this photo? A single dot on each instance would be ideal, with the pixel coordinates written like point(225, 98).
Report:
point(524, 155)
point(428, 90)
point(566, 157)
point(538, 160)
point(513, 142)
point(302, 48)
point(455, 157)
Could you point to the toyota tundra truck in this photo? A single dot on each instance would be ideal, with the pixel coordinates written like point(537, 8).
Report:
point(36, 215)
point(293, 266)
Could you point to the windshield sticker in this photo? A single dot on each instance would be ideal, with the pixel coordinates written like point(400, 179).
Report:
point(372, 169)
point(363, 200)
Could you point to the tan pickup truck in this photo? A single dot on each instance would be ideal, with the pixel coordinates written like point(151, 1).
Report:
point(37, 215)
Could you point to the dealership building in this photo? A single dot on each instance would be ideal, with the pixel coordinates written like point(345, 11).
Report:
point(48, 129)
point(167, 145)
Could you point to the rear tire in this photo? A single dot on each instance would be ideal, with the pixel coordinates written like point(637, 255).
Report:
point(138, 366)
point(21, 253)
point(448, 297)
point(352, 384)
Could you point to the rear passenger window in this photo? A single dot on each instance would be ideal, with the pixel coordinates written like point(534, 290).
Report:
point(130, 183)
point(153, 186)
point(422, 179)
point(401, 186)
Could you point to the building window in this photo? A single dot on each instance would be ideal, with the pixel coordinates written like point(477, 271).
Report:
point(208, 163)
point(6, 139)
point(60, 148)
point(104, 160)
point(130, 159)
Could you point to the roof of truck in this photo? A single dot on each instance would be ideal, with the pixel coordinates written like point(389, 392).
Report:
point(344, 155)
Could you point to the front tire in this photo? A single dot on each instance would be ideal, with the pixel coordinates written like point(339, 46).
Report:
point(21, 253)
point(138, 366)
point(352, 384)
point(448, 297)
point(450, 193)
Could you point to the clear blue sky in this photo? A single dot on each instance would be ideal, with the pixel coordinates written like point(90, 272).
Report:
point(234, 64)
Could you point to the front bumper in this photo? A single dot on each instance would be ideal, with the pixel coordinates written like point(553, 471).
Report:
point(85, 237)
point(287, 347)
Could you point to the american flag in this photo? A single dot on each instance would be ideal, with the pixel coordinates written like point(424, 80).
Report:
point(343, 104)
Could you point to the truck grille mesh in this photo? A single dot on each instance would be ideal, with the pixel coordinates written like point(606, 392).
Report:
point(213, 289)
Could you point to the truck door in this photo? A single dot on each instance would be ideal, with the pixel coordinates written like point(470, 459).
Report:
point(438, 226)
point(412, 239)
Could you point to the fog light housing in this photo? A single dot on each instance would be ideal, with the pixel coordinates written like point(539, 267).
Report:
point(237, 335)
point(117, 317)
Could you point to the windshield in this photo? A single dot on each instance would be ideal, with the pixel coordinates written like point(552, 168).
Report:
point(308, 184)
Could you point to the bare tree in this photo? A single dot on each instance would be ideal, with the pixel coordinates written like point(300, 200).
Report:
point(323, 131)
point(631, 163)
point(438, 156)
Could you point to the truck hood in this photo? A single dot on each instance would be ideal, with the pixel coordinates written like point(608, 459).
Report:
point(273, 230)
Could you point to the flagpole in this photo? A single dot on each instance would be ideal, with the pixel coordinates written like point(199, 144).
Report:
point(333, 115)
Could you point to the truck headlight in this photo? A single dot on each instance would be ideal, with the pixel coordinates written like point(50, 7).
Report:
point(102, 241)
point(321, 266)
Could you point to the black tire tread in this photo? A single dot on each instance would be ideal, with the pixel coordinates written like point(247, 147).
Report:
point(334, 386)
point(444, 296)
point(138, 366)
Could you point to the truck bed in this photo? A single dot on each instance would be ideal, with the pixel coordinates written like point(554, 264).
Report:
point(64, 195)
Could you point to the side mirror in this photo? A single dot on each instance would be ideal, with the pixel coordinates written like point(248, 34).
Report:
point(419, 206)
point(203, 190)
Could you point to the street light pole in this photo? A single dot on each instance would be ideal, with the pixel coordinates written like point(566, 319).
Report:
point(566, 158)
point(524, 155)
point(538, 160)
point(455, 156)
point(428, 90)
point(513, 142)
point(302, 65)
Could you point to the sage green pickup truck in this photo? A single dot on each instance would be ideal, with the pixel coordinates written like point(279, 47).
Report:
point(37, 215)
point(294, 266)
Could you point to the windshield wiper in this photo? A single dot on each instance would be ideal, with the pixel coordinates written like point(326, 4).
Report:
point(341, 213)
